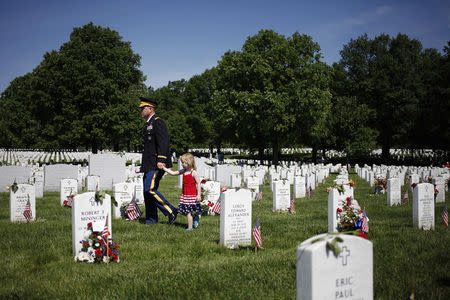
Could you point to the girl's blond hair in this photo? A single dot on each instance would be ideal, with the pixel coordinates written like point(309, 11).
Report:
point(189, 160)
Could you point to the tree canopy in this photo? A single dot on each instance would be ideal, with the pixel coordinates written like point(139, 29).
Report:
point(276, 91)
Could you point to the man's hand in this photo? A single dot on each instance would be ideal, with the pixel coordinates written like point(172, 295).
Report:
point(160, 165)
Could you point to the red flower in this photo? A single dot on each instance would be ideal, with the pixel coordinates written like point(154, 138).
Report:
point(90, 224)
point(223, 189)
point(362, 234)
point(114, 257)
point(98, 252)
point(348, 198)
point(413, 185)
point(203, 181)
point(339, 210)
point(210, 203)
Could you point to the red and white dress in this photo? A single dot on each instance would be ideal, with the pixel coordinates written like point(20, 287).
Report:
point(188, 200)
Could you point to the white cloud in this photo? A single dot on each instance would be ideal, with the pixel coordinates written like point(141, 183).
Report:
point(367, 17)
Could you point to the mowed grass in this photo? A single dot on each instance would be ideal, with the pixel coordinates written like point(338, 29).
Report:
point(166, 262)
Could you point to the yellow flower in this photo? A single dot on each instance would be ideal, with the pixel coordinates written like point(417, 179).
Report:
point(7, 187)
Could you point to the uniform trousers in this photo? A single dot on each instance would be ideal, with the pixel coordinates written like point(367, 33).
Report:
point(153, 198)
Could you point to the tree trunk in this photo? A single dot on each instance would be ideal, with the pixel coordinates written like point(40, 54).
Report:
point(261, 154)
point(94, 148)
point(275, 151)
point(314, 154)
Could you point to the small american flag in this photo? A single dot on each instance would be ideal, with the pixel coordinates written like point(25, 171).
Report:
point(133, 211)
point(259, 195)
point(216, 207)
point(365, 224)
point(445, 215)
point(257, 233)
point(105, 232)
point(405, 196)
point(27, 212)
point(292, 207)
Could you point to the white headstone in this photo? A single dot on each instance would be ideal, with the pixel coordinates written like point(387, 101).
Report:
point(236, 180)
point(39, 183)
point(84, 210)
point(139, 189)
point(10, 173)
point(212, 188)
point(252, 182)
point(67, 187)
point(236, 218)
point(299, 187)
point(393, 191)
point(281, 195)
point(440, 187)
point(110, 167)
point(321, 274)
point(423, 206)
point(54, 173)
point(123, 192)
point(93, 183)
point(18, 201)
point(334, 202)
point(414, 179)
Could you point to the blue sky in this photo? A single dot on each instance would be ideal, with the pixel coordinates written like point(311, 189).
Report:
point(178, 39)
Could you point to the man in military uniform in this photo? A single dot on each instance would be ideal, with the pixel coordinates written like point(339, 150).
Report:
point(154, 157)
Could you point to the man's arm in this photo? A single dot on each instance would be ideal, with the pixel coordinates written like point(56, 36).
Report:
point(162, 142)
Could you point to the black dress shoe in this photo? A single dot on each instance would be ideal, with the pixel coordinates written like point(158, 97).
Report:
point(173, 217)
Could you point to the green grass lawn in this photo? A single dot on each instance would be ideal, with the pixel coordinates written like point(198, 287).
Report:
point(166, 262)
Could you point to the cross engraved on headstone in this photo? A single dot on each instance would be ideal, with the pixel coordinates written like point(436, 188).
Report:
point(92, 200)
point(426, 188)
point(345, 252)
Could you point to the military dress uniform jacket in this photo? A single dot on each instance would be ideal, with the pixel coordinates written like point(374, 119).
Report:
point(156, 145)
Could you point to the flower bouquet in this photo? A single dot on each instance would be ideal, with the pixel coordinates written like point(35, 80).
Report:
point(351, 219)
point(69, 200)
point(380, 185)
point(96, 250)
point(436, 191)
point(339, 187)
point(14, 187)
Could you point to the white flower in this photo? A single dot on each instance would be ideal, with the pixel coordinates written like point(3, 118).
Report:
point(97, 245)
point(90, 250)
point(82, 256)
point(91, 243)
point(105, 259)
point(90, 259)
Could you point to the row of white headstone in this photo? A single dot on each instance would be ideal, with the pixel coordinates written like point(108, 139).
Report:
point(320, 274)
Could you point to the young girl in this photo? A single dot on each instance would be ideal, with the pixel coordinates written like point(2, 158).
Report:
point(191, 193)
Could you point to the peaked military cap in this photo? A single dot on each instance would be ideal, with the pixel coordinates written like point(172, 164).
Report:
point(147, 102)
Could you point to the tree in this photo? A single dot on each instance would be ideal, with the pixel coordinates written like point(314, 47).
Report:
point(78, 92)
point(173, 109)
point(198, 98)
point(348, 121)
point(264, 89)
point(383, 73)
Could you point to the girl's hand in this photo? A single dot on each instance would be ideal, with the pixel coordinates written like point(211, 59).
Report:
point(199, 198)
